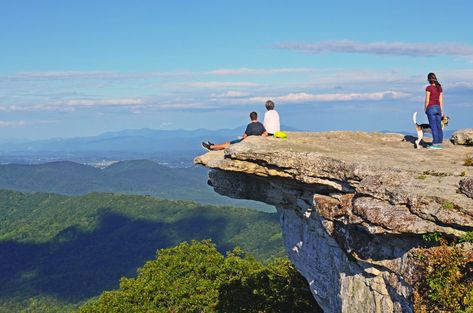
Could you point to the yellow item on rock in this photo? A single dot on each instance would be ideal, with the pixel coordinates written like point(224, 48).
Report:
point(280, 134)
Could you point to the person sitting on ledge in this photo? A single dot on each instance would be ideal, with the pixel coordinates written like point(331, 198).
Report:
point(255, 128)
point(271, 119)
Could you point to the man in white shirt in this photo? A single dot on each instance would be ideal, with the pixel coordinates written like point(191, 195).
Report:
point(271, 119)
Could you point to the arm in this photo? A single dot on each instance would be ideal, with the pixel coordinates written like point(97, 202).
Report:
point(426, 102)
point(441, 103)
point(245, 134)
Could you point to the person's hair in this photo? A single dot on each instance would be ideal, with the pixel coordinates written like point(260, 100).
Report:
point(253, 116)
point(433, 80)
point(269, 105)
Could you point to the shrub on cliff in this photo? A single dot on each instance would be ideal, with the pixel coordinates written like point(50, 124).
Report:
point(197, 278)
point(448, 286)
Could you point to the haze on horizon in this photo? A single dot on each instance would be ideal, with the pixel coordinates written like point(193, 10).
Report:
point(80, 68)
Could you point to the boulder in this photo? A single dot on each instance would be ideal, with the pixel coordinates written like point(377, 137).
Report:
point(463, 137)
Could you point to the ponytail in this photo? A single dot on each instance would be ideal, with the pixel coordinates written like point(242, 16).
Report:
point(433, 80)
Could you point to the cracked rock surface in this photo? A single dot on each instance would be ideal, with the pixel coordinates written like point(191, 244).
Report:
point(353, 207)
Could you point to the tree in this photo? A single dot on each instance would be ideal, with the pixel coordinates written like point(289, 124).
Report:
point(197, 278)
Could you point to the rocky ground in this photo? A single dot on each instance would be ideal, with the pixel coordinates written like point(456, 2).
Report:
point(347, 158)
point(353, 207)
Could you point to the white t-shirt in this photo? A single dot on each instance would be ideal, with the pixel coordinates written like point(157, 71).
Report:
point(271, 121)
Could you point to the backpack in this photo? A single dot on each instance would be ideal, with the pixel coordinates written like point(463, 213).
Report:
point(280, 134)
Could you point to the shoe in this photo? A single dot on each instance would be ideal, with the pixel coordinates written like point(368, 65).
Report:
point(210, 143)
point(435, 147)
point(206, 146)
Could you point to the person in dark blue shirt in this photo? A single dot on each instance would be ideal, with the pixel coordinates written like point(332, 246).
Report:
point(255, 128)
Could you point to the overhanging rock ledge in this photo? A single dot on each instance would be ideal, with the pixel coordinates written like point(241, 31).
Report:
point(353, 208)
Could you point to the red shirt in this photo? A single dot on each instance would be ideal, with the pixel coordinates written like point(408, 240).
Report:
point(434, 94)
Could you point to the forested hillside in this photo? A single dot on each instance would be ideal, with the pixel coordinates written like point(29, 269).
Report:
point(130, 177)
point(58, 250)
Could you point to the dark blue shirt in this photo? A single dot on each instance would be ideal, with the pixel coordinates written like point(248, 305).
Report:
point(254, 129)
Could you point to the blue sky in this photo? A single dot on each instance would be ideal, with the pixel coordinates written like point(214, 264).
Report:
point(80, 68)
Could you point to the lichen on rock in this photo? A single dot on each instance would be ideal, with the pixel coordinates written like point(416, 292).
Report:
point(353, 208)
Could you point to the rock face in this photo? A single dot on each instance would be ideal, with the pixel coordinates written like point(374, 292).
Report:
point(463, 137)
point(353, 208)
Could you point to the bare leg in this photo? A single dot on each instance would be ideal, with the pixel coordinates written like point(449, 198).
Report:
point(221, 146)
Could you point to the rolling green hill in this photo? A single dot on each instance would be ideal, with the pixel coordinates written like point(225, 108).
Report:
point(129, 177)
point(59, 250)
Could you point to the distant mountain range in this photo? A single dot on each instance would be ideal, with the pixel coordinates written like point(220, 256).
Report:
point(132, 140)
point(129, 177)
point(176, 148)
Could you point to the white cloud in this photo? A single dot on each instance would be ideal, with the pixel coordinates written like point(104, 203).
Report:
point(455, 76)
point(103, 75)
point(190, 105)
point(67, 74)
point(217, 84)
point(230, 94)
point(255, 71)
point(331, 97)
point(320, 85)
point(349, 77)
point(381, 48)
point(72, 104)
point(103, 102)
point(7, 124)
point(93, 75)
point(460, 85)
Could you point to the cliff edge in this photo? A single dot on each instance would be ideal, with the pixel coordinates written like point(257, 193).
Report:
point(354, 208)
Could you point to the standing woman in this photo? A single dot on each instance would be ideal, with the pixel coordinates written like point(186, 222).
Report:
point(433, 107)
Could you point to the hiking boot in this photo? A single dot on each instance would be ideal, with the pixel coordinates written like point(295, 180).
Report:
point(206, 146)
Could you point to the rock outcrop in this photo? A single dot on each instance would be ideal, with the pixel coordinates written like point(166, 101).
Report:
point(466, 186)
point(353, 208)
point(463, 137)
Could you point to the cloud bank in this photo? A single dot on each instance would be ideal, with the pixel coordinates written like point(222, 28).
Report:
point(331, 97)
point(256, 71)
point(211, 91)
point(6, 124)
point(103, 102)
point(114, 75)
point(217, 84)
point(68, 105)
point(230, 94)
point(380, 48)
